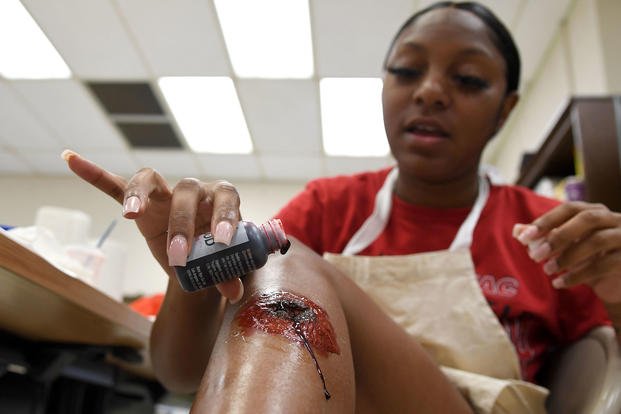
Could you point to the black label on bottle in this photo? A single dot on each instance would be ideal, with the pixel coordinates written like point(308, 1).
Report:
point(223, 265)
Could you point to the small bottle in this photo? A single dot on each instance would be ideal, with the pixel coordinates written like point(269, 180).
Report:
point(210, 263)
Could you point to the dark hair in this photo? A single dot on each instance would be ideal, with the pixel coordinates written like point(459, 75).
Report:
point(501, 37)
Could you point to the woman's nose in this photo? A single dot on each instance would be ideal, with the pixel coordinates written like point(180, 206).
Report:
point(431, 93)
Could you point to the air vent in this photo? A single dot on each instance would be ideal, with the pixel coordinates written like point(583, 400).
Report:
point(151, 135)
point(136, 111)
point(127, 98)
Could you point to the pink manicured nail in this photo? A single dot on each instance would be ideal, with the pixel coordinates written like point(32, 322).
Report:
point(240, 294)
point(527, 234)
point(517, 229)
point(223, 233)
point(67, 154)
point(540, 252)
point(535, 243)
point(559, 282)
point(178, 251)
point(131, 205)
point(550, 267)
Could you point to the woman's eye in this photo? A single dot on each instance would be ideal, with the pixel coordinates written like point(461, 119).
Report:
point(404, 73)
point(471, 82)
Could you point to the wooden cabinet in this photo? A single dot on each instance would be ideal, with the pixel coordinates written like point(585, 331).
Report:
point(588, 133)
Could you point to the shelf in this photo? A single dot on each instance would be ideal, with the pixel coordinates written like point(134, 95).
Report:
point(590, 128)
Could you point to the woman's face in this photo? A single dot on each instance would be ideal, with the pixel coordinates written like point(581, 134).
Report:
point(444, 95)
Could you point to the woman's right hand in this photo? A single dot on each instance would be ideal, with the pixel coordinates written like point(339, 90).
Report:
point(169, 218)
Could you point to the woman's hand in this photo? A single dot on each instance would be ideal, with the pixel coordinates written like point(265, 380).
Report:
point(169, 218)
point(578, 242)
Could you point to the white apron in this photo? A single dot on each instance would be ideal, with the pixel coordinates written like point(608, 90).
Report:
point(437, 299)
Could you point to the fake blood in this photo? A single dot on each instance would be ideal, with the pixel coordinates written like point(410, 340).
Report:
point(296, 318)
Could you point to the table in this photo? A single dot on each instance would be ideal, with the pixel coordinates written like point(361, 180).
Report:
point(41, 303)
point(42, 308)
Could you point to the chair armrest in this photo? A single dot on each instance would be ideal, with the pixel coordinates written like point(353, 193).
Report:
point(585, 377)
point(610, 397)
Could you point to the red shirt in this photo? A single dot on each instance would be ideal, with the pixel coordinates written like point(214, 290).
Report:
point(537, 317)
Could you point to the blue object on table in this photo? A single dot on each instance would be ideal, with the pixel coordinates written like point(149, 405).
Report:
point(5, 227)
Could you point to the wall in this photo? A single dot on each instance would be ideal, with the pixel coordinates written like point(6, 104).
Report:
point(21, 198)
point(582, 59)
point(609, 15)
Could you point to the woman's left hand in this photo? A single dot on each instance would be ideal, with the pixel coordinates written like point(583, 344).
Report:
point(578, 242)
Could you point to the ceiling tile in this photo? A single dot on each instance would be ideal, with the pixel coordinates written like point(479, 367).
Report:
point(169, 163)
point(351, 165)
point(90, 36)
point(352, 36)
point(19, 127)
point(282, 115)
point(70, 111)
point(291, 168)
point(177, 38)
point(230, 167)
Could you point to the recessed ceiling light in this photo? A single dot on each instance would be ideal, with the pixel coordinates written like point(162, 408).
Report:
point(267, 38)
point(25, 51)
point(208, 113)
point(351, 117)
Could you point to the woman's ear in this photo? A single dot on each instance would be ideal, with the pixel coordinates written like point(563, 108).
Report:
point(508, 104)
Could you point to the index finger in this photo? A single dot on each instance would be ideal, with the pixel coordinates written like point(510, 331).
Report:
point(225, 216)
point(555, 217)
point(109, 183)
point(561, 214)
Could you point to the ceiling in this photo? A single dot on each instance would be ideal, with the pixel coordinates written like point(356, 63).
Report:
point(142, 40)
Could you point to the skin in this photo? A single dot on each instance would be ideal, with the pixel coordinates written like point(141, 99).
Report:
point(448, 74)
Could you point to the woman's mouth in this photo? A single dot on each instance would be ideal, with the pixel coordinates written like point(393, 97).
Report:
point(426, 136)
point(427, 129)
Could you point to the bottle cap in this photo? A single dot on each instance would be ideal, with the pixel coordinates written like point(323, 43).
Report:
point(277, 239)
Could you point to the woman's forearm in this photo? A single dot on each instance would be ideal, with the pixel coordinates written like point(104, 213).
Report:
point(183, 336)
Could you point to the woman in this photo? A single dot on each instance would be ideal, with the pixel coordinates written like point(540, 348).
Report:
point(450, 82)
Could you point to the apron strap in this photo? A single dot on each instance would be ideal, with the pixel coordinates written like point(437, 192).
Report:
point(376, 222)
point(463, 238)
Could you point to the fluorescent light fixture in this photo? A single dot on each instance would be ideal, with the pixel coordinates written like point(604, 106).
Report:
point(25, 51)
point(267, 38)
point(208, 113)
point(351, 117)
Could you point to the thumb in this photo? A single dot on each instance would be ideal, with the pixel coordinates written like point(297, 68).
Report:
point(232, 289)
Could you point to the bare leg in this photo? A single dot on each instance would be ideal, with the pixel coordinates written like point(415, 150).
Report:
point(379, 368)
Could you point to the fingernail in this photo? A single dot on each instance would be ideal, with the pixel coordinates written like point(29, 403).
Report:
point(223, 233)
point(517, 229)
point(540, 252)
point(550, 267)
point(527, 234)
point(532, 245)
point(559, 282)
point(178, 251)
point(240, 294)
point(131, 205)
point(67, 154)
